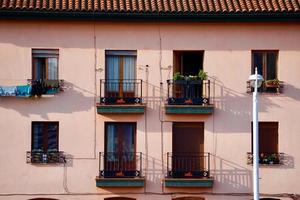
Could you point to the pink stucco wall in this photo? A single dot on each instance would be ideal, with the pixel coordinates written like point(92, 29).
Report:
point(227, 59)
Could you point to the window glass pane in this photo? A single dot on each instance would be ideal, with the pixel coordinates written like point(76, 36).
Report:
point(112, 69)
point(128, 138)
point(111, 138)
point(45, 64)
point(39, 69)
point(37, 137)
point(128, 73)
point(52, 68)
point(52, 131)
point(271, 65)
point(257, 62)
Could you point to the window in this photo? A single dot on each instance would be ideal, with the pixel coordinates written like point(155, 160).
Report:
point(188, 62)
point(44, 64)
point(266, 63)
point(268, 142)
point(120, 71)
point(120, 155)
point(186, 86)
point(44, 137)
point(188, 159)
point(44, 144)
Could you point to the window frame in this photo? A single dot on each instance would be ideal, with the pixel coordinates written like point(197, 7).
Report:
point(178, 60)
point(119, 138)
point(264, 62)
point(44, 134)
point(120, 54)
point(45, 54)
point(265, 122)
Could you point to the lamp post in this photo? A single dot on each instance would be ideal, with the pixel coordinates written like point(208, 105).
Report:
point(255, 81)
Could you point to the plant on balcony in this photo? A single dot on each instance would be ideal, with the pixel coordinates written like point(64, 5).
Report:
point(269, 158)
point(178, 77)
point(202, 75)
point(274, 83)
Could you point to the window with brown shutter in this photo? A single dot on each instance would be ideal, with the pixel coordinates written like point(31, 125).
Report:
point(268, 137)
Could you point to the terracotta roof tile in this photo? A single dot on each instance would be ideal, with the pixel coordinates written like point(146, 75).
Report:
point(134, 6)
point(154, 6)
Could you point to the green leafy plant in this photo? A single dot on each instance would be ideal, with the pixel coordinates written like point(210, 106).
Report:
point(177, 76)
point(202, 75)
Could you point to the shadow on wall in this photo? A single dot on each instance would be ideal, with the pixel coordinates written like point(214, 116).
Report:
point(72, 99)
point(231, 176)
point(292, 91)
point(154, 174)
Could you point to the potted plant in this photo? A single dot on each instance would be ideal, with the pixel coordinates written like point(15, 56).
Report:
point(202, 75)
point(270, 159)
point(272, 83)
point(178, 78)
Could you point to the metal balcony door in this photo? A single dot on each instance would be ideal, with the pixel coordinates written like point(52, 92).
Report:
point(188, 146)
point(120, 147)
point(120, 73)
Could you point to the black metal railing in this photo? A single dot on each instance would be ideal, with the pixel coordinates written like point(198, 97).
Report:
point(188, 165)
point(45, 86)
point(45, 157)
point(267, 158)
point(267, 87)
point(185, 92)
point(120, 165)
point(121, 91)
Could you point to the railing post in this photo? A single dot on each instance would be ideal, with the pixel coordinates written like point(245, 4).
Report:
point(100, 90)
point(168, 164)
point(168, 83)
point(141, 161)
point(99, 164)
point(141, 96)
point(208, 164)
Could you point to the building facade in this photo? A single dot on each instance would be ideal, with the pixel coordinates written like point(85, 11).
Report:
point(147, 100)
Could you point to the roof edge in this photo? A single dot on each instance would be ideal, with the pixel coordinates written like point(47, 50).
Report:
point(143, 16)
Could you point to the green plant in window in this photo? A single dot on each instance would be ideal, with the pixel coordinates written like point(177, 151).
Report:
point(177, 76)
point(202, 75)
point(272, 82)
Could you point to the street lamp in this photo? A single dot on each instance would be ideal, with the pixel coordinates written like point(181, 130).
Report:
point(255, 81)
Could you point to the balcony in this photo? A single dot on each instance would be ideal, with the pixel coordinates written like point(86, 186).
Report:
point(33, 88)
point(121, 96)
point(188, 97)
point(50, 157)
point(188, 170)
point(45, 87)
point(120, 170)
point(267, 158)
point(270, 87)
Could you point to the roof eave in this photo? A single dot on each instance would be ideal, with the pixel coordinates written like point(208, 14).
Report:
point(150, 16)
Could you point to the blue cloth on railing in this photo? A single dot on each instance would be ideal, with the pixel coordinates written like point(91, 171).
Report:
point(52, 90)
point(8, 90)
point(24, 91)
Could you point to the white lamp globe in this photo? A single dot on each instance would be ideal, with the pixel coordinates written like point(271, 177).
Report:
point(252, 79)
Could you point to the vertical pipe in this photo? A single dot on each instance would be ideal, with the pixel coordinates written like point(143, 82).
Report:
point(255, 142)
